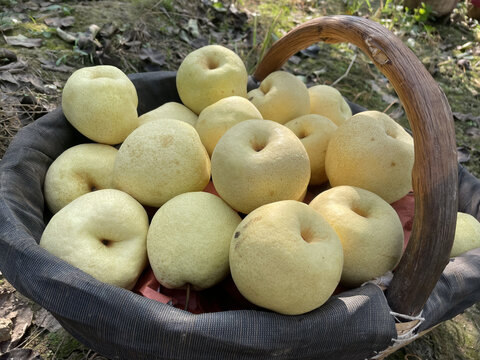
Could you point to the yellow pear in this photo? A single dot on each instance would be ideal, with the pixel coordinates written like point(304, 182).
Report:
point(217, 118)
point(285, 257)
point(369, 229)
point(373, 152)
point(78, 170)
point(159, 160)
point(257, 162)
point(189, 240)
point(281, 97)
point(209, 74)
point(327, 101)
point(467, 234)
point(170, 110)
point(103, 233)
point(314, 131)
point(101, 103)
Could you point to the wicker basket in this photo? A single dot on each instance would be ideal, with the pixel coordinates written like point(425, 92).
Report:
point(356, 324)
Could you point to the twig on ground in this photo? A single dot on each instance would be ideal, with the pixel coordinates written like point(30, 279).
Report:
point(346, 72)
point(390, 105)
point(361, 93)
point(29, 339)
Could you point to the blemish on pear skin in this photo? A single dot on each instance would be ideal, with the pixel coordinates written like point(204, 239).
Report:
point(252, 221)
point(239, 241)
point(166, 140)
point(244, 226)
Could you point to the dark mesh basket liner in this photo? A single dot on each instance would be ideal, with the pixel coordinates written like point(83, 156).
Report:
point(121, 324)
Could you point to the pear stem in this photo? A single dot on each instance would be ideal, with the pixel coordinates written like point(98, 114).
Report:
point(187, 298)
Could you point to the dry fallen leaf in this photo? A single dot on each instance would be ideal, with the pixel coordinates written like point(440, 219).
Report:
point(14, 66)
point(463, 154)
point(7, 55)
point(46, 320)
point(60, 22)
point(6, 326)
point(7, 302)
point(155, 57)
point(66, 36)
point(20, 354)
point(22, 320)
point(21, 40)
point(192, 28)
point(52, 66)
point(473, 132)
point(8, 77)
point(466, 117)
point(108, 30)
point(34, 81)
point(18, 315)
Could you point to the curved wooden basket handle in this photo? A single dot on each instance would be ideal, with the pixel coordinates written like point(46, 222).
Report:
point(435, 172)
